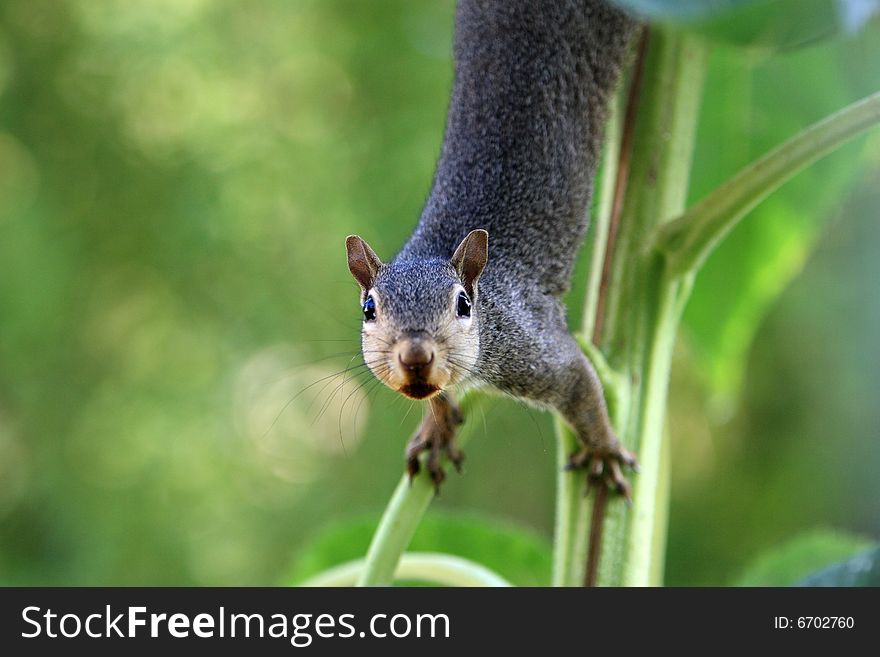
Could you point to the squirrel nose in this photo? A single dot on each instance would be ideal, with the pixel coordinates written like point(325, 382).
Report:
point(416, 355)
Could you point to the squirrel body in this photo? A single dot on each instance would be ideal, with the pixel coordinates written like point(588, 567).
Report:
point(533, 79)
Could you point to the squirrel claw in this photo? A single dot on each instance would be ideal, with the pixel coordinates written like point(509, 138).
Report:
point(455, 456)
point(412, 467)
point(604, 467)
point(436, 436)
point(615, 480)
point(433, 462)
point(437, 477)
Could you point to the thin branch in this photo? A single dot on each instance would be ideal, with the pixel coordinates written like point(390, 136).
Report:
point(395, 530)
point(401, 518)
point(688, 240)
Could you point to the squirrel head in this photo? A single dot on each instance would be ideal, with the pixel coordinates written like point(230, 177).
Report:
point(420, 321)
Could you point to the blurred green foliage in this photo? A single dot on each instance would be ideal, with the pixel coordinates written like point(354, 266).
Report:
point(176, 180)
point(862, 570)
point(786, 564)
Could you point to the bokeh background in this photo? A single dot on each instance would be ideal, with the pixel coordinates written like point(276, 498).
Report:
point(176, 181)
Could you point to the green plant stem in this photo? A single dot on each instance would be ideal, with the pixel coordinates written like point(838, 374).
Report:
point(689, 240)
point(572, 505)
point(436, 568)
point(395, 530)
point(644, 304)
point(661, 514)
point(570, 531)
point(401, 518)
point(602, 221)
point(650, 286)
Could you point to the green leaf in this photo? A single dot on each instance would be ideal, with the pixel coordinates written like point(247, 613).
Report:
point(520, 556)
point(788, 564)
point(861, 570)
point(773, 24)
point(750, 107)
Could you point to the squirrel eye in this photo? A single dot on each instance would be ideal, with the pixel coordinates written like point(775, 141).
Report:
point(369, 309)
point(463, 305)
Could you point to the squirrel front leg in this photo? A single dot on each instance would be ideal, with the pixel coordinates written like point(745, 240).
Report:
point(436, 435)
point(584, 408)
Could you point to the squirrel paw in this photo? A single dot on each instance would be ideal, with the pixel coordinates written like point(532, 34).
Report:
point(436, 436)
point(603, 467)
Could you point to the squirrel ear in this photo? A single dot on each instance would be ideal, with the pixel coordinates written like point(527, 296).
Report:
point(363, 263)
point(470, 257)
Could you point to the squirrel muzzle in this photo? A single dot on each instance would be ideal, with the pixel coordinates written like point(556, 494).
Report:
point(415, 365)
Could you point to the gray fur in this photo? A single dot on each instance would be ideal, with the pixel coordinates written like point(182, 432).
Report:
point(424, 283)
point(532, 83)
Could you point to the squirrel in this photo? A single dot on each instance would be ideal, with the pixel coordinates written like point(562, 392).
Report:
point(532, 84)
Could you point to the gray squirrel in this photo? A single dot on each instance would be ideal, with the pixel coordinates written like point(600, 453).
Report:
point(533, 79)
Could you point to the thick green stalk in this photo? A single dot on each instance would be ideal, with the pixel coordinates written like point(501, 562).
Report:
point(400, 520)
point(644, 304)
point(572, 506)
point(604, 209)
point(572, 514)
point(661, 515)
